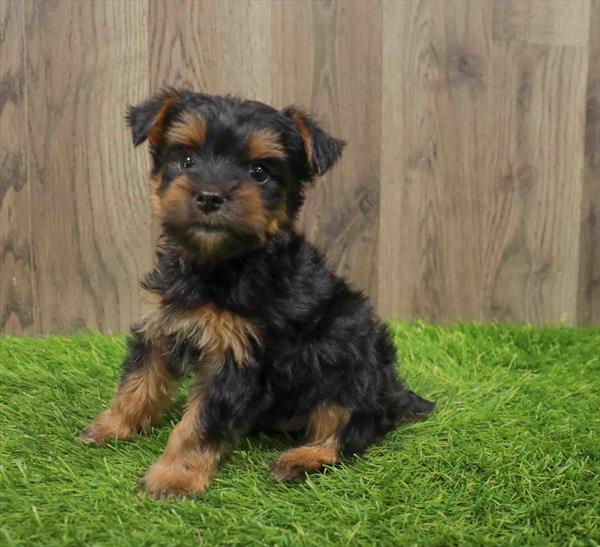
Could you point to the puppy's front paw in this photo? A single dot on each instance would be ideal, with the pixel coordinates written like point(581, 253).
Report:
point(105, 426)
point(170, 479)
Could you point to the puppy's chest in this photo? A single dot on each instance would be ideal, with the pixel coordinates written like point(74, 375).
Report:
point(215, 332)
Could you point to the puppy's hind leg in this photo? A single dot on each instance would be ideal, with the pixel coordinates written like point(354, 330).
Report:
point(325, 424)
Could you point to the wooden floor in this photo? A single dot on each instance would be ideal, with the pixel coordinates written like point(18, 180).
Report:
point(470, 188)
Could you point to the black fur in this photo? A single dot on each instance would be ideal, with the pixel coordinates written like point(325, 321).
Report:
point(137, 351)
point(319, 339)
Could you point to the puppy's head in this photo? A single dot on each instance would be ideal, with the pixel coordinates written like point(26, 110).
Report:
point(228, 174)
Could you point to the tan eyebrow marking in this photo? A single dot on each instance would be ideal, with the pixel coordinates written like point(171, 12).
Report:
point(265, 144)
point(189, 130)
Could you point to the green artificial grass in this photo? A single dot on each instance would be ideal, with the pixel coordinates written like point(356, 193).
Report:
point(511, 456)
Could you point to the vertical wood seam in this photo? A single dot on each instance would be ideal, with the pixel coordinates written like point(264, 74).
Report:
point(582, 182)
point(585, 312)
point(581, 277)
point(32, 283)
point(377, 231)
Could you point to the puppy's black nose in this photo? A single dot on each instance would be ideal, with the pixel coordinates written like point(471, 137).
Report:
point(209, 201)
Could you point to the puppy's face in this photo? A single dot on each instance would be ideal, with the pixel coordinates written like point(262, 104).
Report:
point(228, 174)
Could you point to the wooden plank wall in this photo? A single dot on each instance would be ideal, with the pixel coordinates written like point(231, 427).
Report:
point(470, 187)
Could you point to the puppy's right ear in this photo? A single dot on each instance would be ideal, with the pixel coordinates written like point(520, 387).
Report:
point(148, 120)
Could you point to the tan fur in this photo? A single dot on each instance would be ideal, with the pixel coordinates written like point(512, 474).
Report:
point(207, 245)
point(140, 399)
point(177, 194)
point(189, 462)
point(214, 331)
point(253, 211)
point(222, 332)
point(151, 301)
point(325, 422)
point(154, 183)
point(265, 144)
point(189, 130)
point(294, 463)
point(157, 130)
point(254, 214)
point(174, 200)
point(324, 426)
point(305, 133)
point(279, 220)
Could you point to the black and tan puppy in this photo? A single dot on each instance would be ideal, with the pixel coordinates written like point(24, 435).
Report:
point(242, 302)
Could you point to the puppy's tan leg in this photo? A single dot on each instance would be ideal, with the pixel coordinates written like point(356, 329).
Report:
point(141, 397)
point(189, 461)
point(324, 426)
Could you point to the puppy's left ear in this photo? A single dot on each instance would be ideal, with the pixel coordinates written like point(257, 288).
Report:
point(148, 120)
point(322, 150)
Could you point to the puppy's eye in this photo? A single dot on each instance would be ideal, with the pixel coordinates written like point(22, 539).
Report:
point(185, 162)
point(259, 173)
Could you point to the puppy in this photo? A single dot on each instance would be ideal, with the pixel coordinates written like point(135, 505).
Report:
point(241, 301)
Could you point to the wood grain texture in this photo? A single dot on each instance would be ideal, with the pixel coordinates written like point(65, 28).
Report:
point(214, 47)
point(16, 290)
point(90, 214)
point(435, 85)
point(550, 22)
point(534, 188)
point(589, 274)
point(327, 57)
point(469, 189)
